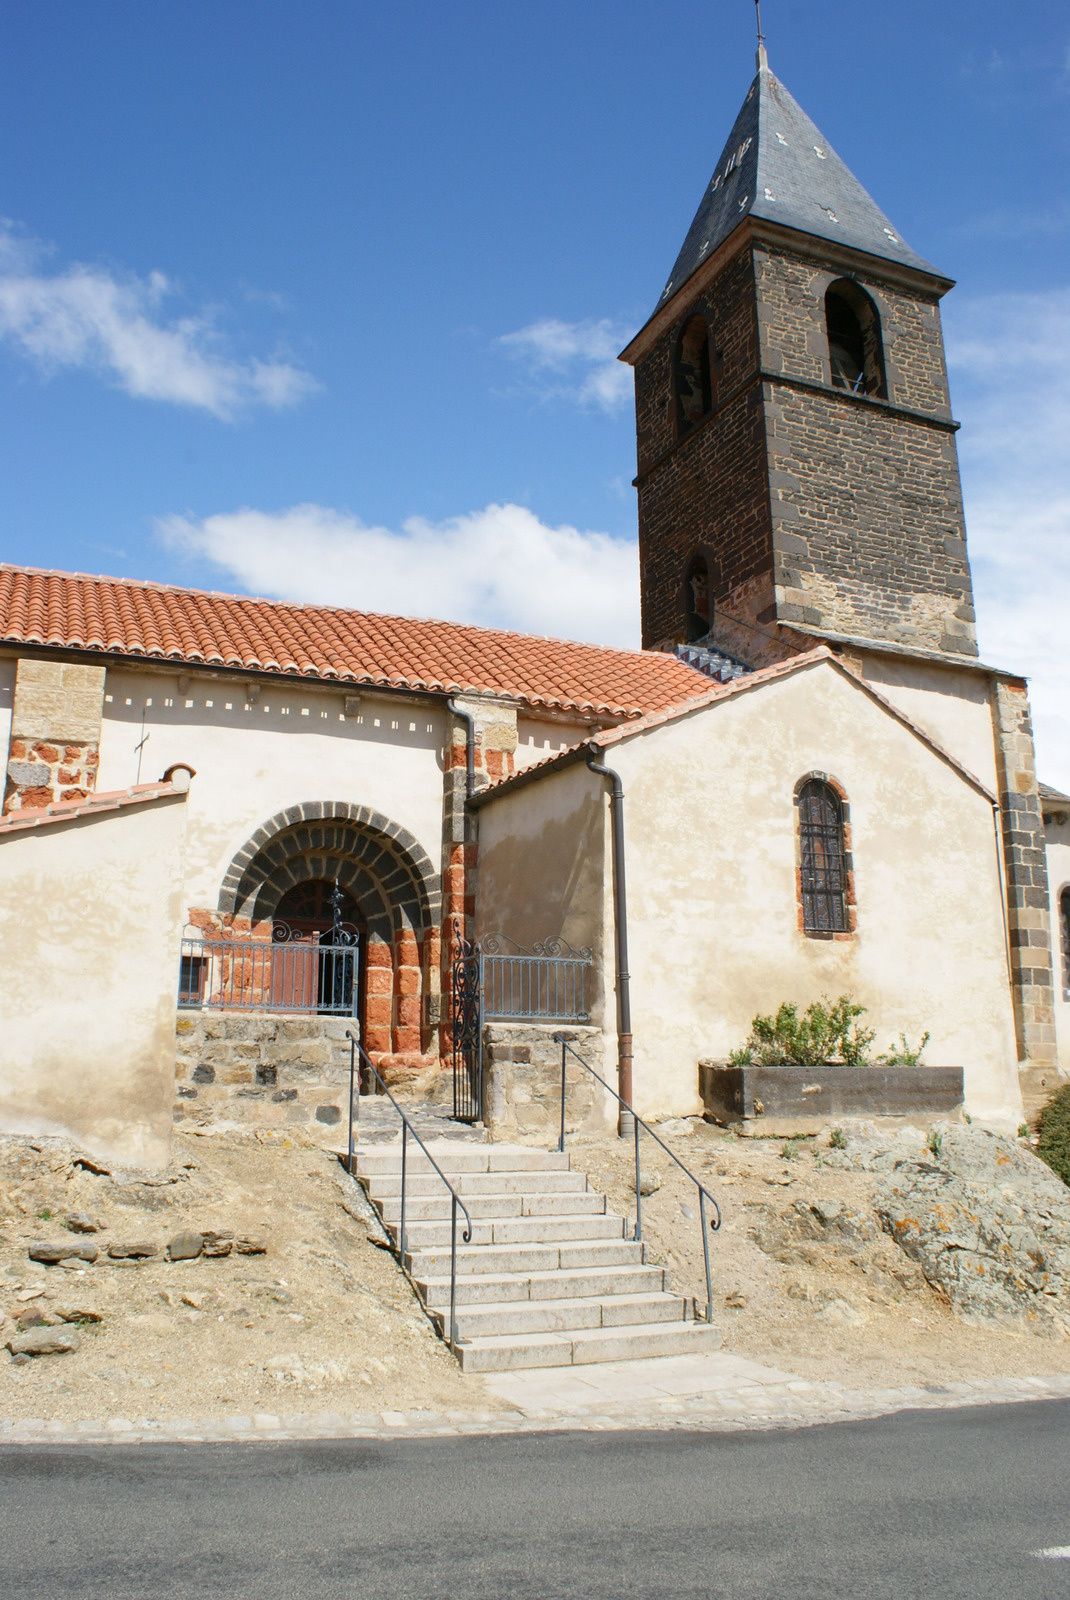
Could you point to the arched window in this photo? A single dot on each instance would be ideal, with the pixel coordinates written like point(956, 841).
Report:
point(824, 869)
point(691, 375)
point(856, 354)
point(698, 599)
point(1064, 935)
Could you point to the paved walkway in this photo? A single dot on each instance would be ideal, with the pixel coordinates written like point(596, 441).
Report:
point(718, 1392)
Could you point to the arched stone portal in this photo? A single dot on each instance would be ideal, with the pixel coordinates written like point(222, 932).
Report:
point(388, 875)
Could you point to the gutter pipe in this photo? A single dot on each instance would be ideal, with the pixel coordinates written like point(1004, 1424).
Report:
point(620, 930)
point(470, 747)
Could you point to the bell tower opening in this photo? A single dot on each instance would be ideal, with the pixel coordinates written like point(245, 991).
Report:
point(856, 353)
point(692, 373)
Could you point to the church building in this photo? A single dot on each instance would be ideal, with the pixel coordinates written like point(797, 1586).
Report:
point(264, 822)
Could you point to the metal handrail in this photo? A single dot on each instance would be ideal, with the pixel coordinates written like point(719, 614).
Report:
point(637, 1123)
point(407, 1128)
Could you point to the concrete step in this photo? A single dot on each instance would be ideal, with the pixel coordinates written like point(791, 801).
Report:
point(384, 1186)
point(452, 1157)
point(477, 1259)
point(580, 1346)
point(485, 1289)
point(437, 1207)
point(513, 1230)
point(558, 1316)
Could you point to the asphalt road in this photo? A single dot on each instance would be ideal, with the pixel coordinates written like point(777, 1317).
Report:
point(940, 1504)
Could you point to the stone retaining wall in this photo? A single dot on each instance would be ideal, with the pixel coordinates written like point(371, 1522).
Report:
point(278, 1071)
point(271, 1071)
point(522, 1083)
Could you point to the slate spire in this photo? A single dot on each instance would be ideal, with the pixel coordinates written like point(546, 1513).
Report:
point(778, 166)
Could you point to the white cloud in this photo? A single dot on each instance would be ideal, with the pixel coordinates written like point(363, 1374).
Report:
point(500, 567)
point(574, 360)
point(1009, 357)
point(87, 317)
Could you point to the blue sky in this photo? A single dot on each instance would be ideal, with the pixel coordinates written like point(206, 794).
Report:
point(322, 300)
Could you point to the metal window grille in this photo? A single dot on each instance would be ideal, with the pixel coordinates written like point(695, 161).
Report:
point(1064, 929)
point(824, 864)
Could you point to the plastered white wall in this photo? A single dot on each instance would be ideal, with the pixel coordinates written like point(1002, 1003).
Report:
point(1058, 842)
point(952, 707)
point(254, 758)
point(90, 924)
point(710, 834)
point(536, 740)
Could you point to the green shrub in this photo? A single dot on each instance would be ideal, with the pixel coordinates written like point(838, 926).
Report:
point(837, 1139)
point(935, 1142)
point(1053, 1133)
point(826, 1031)
point(904, 1054)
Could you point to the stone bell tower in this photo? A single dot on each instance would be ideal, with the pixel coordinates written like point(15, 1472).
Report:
point(797, 470)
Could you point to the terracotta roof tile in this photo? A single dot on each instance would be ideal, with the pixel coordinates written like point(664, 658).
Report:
point(93, 805)
point(122, 617)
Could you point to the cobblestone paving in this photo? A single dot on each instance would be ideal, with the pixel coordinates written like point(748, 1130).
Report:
point(716, 1393)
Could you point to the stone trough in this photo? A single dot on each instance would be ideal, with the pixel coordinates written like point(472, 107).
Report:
point(786, 1100)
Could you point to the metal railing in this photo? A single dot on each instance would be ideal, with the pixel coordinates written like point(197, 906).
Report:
point(407, 1129)
point(704, 1194)
point(548, 983)
point(286, 973)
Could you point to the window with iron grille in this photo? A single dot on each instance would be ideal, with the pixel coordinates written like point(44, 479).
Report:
point(1064, 930)
point(823, 858)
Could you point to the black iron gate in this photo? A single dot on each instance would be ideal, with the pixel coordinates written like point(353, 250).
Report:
point(466, 1010)
point(499, 980)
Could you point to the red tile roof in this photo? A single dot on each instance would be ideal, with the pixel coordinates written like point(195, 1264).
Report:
point(92, 805)
point(119, 616)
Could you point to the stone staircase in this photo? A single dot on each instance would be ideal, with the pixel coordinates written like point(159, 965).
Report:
point(551, 1277)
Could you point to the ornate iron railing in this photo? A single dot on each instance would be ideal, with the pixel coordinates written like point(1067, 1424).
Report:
point(548, 983)
point(711, 1223)
point(292, 972)
point(407, 1132)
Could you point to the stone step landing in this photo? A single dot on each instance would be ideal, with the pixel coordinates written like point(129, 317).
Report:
point(550, 1278)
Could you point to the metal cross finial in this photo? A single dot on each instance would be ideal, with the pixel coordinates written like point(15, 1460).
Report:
point(763, 59)
point(140, 746)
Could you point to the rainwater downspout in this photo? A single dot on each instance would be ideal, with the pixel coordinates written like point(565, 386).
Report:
point(620, 930)
point(469, 748)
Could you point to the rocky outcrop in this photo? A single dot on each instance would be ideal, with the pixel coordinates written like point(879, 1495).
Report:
point(989, 1226)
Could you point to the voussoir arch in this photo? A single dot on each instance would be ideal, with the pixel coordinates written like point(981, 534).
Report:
point(365, 845)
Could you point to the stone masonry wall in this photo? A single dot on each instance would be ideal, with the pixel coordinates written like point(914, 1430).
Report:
point(55, 733)
point(810, 504)
point(1028, 905)
point(709, 491)
point(867, 522)
point(522, 1083)
point(265, 1070)
point(868, 531)
point(495, 757)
